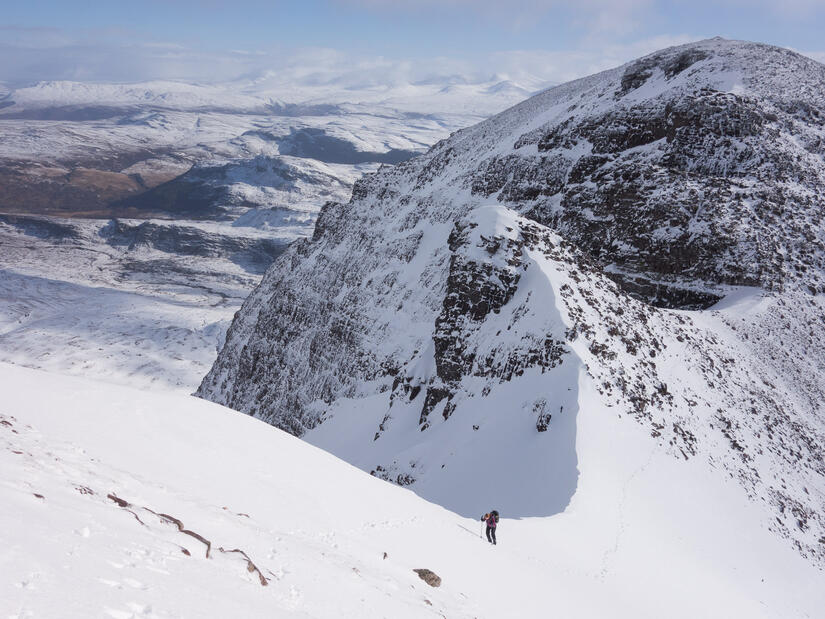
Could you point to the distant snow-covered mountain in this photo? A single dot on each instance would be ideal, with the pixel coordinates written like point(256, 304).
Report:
point(440, 94)
point(648, 241)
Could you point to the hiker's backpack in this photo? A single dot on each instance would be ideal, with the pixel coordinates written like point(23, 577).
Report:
point(494, 513)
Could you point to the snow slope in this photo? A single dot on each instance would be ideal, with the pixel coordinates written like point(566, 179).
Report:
point(95, 478)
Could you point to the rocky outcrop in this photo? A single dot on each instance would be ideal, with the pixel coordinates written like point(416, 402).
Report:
point(702, 169)
point(483, 277)
point(687, 170)
point(429, 577)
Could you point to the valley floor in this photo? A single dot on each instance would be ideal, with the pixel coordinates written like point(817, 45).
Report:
point(143, 317)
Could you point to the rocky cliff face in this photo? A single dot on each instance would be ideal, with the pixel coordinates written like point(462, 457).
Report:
point(557, 256)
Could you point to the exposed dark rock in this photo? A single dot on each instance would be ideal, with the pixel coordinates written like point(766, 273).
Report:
point(429, 577)
point(42, 227)
point(670, 64)
point(649, 187)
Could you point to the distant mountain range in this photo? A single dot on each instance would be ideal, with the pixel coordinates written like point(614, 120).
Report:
point(165, 148)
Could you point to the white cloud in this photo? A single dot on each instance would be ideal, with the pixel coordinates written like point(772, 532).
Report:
point(562, 66)
point(30, 55)
point(818, 56)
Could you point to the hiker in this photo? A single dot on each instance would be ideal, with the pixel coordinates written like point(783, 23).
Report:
point(492, 520)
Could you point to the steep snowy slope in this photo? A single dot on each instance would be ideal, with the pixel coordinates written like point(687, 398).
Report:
point(121, 503)
point(424, 331)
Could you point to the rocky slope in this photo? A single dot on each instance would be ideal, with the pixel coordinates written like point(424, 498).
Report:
point(463, 303)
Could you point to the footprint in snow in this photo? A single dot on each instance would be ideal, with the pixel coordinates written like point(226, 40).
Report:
point(135, 584)
point(135, 610)
point(25, 584)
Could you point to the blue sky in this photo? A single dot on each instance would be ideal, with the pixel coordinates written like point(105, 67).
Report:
point(219, 39)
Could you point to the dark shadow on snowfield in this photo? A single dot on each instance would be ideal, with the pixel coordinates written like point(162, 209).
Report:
point(489, 453)
point(514, 467)
point(312, 143)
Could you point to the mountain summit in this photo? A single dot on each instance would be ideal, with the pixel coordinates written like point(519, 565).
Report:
point(644, 244)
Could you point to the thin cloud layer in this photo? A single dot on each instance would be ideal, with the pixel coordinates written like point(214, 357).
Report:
point(104, 61)
point(65, 59)
point(566, 40)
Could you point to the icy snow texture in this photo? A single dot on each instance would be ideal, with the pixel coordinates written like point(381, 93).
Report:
point(420, 336)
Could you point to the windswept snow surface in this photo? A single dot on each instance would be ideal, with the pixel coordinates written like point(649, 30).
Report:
point(643, 536)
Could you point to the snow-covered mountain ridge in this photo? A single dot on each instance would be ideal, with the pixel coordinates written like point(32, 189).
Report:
point(451, 309)
point(694, 166)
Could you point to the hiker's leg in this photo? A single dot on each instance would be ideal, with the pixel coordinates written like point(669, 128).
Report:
point(493, 532)
point(488, 534)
